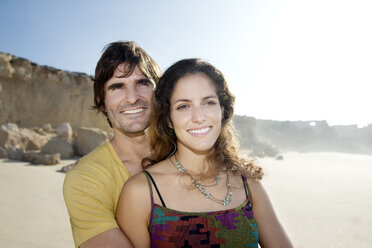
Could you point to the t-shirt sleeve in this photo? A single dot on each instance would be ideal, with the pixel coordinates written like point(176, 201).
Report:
point(90, 204)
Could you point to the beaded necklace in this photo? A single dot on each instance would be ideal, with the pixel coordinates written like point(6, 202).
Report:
point(201, 188)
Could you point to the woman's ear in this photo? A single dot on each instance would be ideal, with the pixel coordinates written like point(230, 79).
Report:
point(170, 124)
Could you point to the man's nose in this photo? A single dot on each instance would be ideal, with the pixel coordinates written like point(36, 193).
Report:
point(132, 95)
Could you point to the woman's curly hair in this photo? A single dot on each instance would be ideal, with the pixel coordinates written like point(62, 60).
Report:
point(163, 139)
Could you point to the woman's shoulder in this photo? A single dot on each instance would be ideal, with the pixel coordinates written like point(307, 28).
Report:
point(137, 182)
point(254, 185)
point(257, 191)
point(140, 180)
point(136, 190)
point(253, 182)
point(161, 167)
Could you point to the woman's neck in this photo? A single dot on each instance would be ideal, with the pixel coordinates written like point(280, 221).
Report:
point(194, 162)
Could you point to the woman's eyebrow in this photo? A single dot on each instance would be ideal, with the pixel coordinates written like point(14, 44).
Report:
point(188, 100)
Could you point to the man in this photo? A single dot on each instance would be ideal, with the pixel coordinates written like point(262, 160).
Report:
point(124, 82)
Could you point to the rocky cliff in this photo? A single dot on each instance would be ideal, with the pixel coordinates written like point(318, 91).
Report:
point(305, 136)
point(32, 95)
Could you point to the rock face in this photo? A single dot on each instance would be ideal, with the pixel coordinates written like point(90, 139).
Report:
point(23, 138)
point(258, 146)
point(48, 145)
point(89, 138)
point(32, 95)
point(15, 153)
point(40, 158)
point(3, 153)
point(59, 145)
point(64, 130)
point(303, 136)
point(45, 145)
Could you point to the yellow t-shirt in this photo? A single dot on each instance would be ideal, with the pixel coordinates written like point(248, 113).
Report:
point(91, 191)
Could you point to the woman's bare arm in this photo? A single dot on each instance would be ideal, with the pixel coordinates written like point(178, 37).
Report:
point(271, 232)
point(133, 211)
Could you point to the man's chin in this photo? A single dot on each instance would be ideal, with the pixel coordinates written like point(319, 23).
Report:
point(134, 134)
point(134, 130)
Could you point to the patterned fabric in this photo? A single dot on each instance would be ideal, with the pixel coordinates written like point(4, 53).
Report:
point(227, 228)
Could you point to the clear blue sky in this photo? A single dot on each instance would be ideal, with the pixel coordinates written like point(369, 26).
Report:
point(283, 59)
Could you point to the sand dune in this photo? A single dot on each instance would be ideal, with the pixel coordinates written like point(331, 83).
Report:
point(322, 199)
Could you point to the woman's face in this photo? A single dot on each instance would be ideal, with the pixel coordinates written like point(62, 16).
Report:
point(195, 113)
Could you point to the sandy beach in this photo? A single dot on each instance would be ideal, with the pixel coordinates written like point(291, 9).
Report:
point(322, 200)
point(32, 210)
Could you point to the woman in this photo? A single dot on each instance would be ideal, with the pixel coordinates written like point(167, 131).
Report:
point(197, 191)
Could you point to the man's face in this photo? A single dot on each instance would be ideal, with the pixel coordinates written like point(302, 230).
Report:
point(128, 100)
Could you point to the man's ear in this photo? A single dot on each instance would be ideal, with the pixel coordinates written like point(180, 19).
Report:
point(98, 101)
point(103, 109)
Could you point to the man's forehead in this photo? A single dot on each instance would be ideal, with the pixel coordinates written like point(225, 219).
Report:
point(126, 70)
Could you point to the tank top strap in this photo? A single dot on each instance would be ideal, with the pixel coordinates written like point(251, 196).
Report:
point(246, 188)
point(150, 181)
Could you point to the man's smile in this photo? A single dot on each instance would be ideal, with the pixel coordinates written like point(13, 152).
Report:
point(133, 111)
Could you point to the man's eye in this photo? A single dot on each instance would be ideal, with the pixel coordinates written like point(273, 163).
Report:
point(115, 86)
point(145, 83)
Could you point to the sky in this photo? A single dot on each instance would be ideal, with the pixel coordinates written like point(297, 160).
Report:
point(283, 59)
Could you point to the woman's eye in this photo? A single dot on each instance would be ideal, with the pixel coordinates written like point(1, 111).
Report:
point(183, 106)
point(211, 103)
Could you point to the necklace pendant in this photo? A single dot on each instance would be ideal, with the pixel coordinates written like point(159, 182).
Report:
point(227, 200)
point(218, 179)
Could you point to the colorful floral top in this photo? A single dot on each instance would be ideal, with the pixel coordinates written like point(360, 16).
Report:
point(226, 228)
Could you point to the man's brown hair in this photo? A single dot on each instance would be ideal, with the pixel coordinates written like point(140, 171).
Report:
point(115, 54)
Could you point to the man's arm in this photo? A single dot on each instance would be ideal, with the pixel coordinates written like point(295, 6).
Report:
point(90, 204)
point(113, 238)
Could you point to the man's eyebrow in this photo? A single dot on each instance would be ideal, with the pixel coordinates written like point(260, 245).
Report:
point(146, 80)
point(115, 85)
